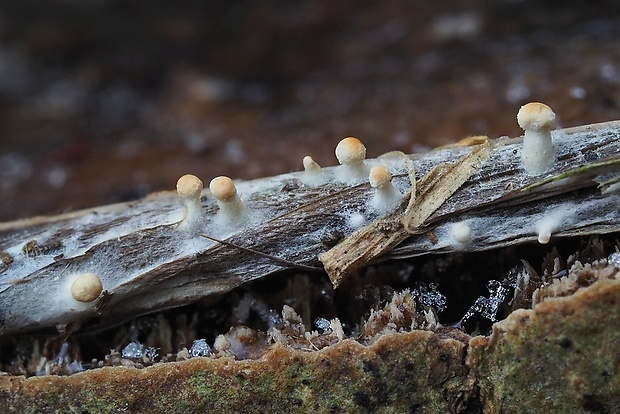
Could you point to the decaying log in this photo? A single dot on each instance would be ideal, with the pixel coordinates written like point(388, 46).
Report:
point(146, 261)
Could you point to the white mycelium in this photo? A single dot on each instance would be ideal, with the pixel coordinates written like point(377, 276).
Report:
point(461, 232)
point(538, 154)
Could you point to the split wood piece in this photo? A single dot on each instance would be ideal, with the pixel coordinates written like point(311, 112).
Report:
point(380, 237)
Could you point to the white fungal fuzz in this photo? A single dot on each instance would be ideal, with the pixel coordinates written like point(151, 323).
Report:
point(86, 288)
point(386, 197)
point(351, 154)
point(546, 226)
point(189, 188)
point(356, 220)
point(232, 210)
point(461, 232)
point(538, 154)
point(313, 173)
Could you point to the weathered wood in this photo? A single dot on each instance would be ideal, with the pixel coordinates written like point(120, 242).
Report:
point(147, 264)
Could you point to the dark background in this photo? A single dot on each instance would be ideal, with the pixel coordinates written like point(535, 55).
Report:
point(105, 101)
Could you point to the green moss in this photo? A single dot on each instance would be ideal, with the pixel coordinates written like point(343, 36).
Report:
point(559, 359)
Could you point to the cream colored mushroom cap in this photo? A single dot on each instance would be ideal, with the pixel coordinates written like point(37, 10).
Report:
point(223, 188)
point(86, 288)
point(379, 176)
point(535, 116)
point(189, 186)
point(350, 150)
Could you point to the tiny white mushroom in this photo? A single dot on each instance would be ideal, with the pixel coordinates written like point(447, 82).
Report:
point(386, 197)
point(86, 288)
point(547, 225)
point(544, 236)
point(232, 210)
point(461, 232)
point(311, 166)
point(351, 153)
point(313, 173)
point(538, 153)
point(189, 188)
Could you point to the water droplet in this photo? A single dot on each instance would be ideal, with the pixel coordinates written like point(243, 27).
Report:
point(614, 259)
point(133, 350)
point(199, 348)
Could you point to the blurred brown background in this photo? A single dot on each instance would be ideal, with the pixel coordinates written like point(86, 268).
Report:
point(105, 101)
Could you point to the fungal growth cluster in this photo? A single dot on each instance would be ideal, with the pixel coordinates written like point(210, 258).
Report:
point(168, 250)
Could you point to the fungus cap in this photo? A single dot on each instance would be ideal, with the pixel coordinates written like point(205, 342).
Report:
point(223, 188)
point(535, 116)
point(350, 151)
point(379, 176)
point(189, 186)
point(86, 288)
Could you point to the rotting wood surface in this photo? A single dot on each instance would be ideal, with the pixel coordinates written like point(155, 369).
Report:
point(146, 264)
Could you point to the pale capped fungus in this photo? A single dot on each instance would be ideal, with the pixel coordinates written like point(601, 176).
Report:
point(189, 188)
point(223, 189)
point(86, 288)
point(311, 166)
point(461, 232)
point(232, 208)
point(386, 197)
point(550, 223)
point(313, 173)
point(350, 151)
point(538, 154)
point(379, 177)
point(351, 154)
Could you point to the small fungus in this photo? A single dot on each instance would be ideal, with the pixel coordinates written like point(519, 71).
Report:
point(313, 173)
point(461, 232)
point(538, 154)
point(547, 225)
point(189, 188)
point(544, 236)
point(232, 209)
point(351, 154)
point(86, 288)
point(386, 197)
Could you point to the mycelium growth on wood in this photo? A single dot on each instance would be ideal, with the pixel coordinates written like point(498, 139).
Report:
point(147, 262)
point(423, 213)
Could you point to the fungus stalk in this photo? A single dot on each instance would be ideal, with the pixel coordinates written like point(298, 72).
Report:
point(313, 173)
point(538, 154)
point(351, 154)
point(189, 188)
point(386, 197)
point(232, 210)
